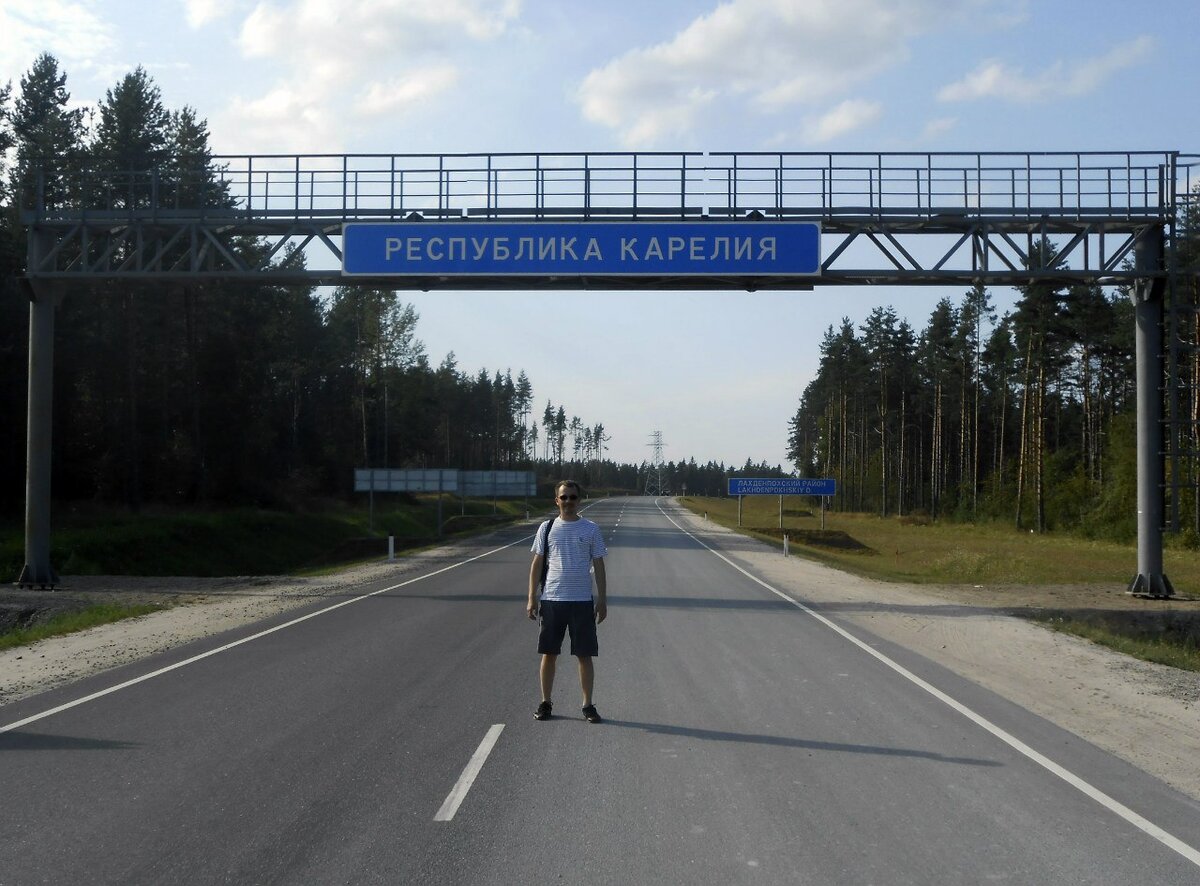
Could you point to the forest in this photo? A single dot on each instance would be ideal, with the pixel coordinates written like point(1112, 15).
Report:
point(1027, 417)
point(246, 393)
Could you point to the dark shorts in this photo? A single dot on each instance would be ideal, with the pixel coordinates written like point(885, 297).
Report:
point(558, 617)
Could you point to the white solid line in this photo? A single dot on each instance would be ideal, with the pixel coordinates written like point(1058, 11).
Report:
point(463, 785)
point(195, 658)
point(1113, 805)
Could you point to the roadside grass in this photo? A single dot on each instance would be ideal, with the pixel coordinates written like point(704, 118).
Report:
point(70, 622)
point(917, 550)
point(1175, 645)
point(91, 540)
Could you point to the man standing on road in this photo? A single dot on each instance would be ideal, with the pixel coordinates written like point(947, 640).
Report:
point(576, 547)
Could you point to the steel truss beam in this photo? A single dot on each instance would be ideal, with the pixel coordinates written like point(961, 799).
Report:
point(903, 218)
point(858, 251)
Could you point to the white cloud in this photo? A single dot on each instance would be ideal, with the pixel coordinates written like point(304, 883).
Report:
point(991, 78)
point(387, 97)
point(263, 31)
point(938, 127)
point(73, 31)
point(995, 79)
point(202, 12)
point(342, 61)
point(1007, 15)
point(283, 119)
point(771, 54)
point(369, 32)
point(848, 116)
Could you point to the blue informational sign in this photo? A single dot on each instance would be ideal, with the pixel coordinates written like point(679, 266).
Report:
point(781, 486)
point(625, 249)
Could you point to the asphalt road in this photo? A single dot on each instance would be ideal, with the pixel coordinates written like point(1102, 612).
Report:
point(747, 740)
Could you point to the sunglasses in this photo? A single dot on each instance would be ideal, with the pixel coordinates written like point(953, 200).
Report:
point(568, 498)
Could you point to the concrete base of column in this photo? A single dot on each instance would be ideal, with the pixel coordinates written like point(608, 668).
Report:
point(45, 579)
point(1154, 585)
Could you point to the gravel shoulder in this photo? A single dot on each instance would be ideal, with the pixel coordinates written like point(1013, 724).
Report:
point(1146, 714)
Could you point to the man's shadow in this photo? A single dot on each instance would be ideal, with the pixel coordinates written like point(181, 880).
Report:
point(802, 743)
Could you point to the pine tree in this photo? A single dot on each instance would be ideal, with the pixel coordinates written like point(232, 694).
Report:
point(7, 139)
point(560, 436)
point(14, 323)
point(191, 182)
point(844, 371)
point(524, 404)
point(548, 424)
point(1039, 323)
point(975, 310)
point(48, 138)
point(133, 139)
point(999, 361)
point(937, 366)
point(880, 338)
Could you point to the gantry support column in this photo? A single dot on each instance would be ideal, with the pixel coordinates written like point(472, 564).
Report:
point(43, 299)
point(1147, 296)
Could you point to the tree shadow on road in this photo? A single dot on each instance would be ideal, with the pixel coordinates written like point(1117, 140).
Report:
point(38, 741)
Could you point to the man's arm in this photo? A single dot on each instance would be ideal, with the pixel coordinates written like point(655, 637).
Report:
point(535, 578)
point(601, 590)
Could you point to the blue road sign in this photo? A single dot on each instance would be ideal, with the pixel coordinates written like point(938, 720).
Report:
point(625, 249)
point(781, 486)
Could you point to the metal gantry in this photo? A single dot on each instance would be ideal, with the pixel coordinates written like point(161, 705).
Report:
point(949, 218)
point(899, 218)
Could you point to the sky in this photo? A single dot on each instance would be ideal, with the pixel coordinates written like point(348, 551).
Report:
point(719, 374)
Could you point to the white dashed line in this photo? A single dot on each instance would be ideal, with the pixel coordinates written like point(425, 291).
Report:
point(459, 792)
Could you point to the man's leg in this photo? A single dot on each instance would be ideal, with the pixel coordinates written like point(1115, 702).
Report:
point(586, 678)
point(546, 673)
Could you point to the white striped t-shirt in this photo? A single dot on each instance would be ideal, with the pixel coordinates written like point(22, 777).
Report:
point(573, 546)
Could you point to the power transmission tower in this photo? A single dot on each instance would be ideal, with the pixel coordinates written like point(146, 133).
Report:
point(655, 477)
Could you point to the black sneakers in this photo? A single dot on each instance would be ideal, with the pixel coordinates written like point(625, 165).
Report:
point(544, 712)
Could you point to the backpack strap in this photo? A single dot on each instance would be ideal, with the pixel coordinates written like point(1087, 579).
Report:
point(546, 550)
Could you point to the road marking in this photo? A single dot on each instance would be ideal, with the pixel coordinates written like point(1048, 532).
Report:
point(1113, 805)
point(459, 792)
point(195, 658)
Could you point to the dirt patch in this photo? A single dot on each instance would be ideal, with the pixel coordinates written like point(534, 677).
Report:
point(24, 608)
point(833, 539)
point(1108, 606)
